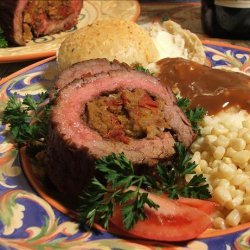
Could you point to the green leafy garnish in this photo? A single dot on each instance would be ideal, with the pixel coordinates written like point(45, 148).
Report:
point(183, 102)
point(172, 177)
point(194, 115)
point(3, 42)
point(27, 119)
point(118, 177)
point(142, 69)
point(99, 199)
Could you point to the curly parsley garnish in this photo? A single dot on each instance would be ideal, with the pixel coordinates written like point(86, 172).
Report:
point(194, 115)
point(142, 69)
point(100, 199)
point(28, 118)
point(118, 176)
point(172, 177)
point(3, 42)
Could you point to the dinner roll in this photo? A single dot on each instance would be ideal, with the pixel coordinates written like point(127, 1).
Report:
point(117, 39)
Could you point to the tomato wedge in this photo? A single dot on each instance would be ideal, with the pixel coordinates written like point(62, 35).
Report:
point(173, 221)
point(204, 205)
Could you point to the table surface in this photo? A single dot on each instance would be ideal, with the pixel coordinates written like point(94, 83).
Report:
point(185, 12)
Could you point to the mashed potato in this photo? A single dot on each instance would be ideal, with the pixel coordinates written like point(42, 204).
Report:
point(171, 40)
point(223, 155)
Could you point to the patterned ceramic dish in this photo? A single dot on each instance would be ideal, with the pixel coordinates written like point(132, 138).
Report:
point(32, 217)
point(92, 10)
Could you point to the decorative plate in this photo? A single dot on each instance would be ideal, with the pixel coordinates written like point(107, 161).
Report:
point(92, 10)
point(32, 218)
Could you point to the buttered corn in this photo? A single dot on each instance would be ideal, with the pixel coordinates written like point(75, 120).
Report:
point(223, 155)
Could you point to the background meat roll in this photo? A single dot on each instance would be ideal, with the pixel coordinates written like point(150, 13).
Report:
point(117, 111)
point(22, 20)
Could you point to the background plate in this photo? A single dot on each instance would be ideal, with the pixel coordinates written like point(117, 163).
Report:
point(29, 221)
point(91, 11)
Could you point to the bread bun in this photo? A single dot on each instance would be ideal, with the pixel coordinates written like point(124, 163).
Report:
point(112, 39)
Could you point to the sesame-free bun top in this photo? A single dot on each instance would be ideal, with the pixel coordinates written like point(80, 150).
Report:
point(117, 39)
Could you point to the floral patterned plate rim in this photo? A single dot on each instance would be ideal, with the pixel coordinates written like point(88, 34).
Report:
point(92, 10)
point(39, 221)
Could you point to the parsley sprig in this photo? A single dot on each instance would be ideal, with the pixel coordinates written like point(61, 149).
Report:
point(172, 177)
point(194, 115)
point(118, 176)
point(3, 42)
point(99, 199)
point(142, 69)
point(27, 118)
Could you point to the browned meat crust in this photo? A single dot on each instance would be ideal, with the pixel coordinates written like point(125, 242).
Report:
point(87, 68)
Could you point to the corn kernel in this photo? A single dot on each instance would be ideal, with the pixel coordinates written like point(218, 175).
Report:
point(227, 160)
point(226, 171)
point(243, 166)
point(231, 189)
point(203, 164)
point(241, 156)
point(241, 131)
point(234, 202)
point(210, 139)
point(219, 153)
point(246, 186)
point(222, 140)
point(219, 223)
point(208, 120)
point(224, 183)
point(237, 192)
point(198, 170)
point(230, 152)
point(215, 182)
point(239, 179)
point(232, 134)
point(219, 130)
point(206, 130)
point(246, 123)
point(244, 209)
point(233, 218)
point(246, 136)
point(221, 195)
point(196, 157)
point(246, 200)
point(195, 147)
point(205, 155)
point(237, 144)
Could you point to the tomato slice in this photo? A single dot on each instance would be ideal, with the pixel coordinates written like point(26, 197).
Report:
point(204, 205)
point(172, 221)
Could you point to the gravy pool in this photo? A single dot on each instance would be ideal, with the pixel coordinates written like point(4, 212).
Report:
point(212, 89)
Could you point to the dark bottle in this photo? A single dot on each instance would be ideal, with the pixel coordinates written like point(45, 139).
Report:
point(226, 18)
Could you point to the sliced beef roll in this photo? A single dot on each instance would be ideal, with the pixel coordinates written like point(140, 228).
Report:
point(118, 111)
point(22, 20)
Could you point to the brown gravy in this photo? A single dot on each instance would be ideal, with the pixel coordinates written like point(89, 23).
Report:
point(212, 89)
